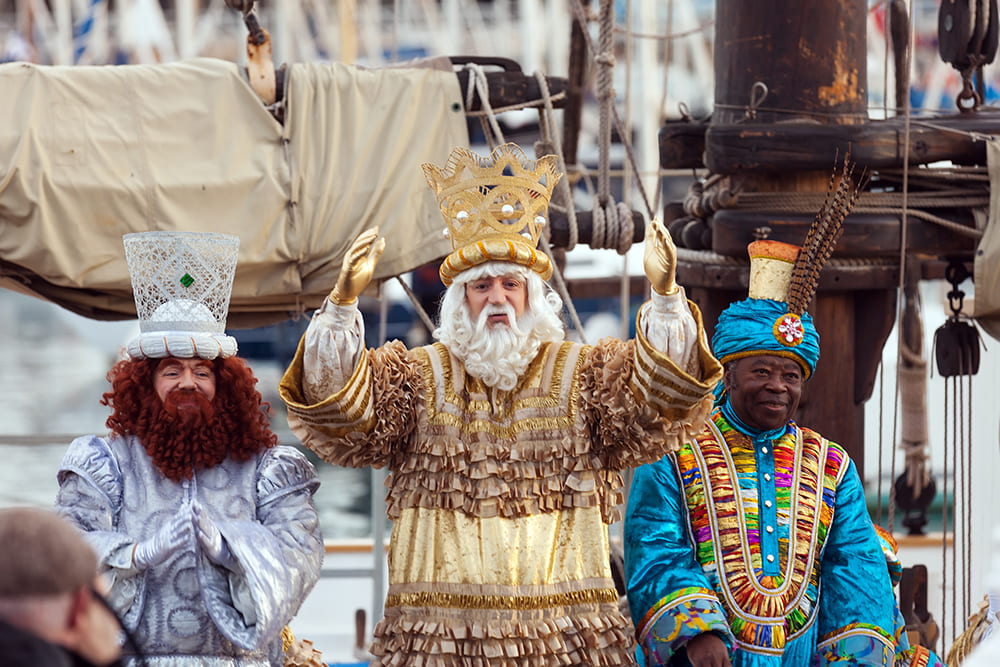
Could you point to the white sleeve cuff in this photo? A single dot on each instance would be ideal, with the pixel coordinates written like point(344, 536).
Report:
point(669, 304)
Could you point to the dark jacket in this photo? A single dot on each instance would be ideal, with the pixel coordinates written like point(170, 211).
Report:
point(20, 648)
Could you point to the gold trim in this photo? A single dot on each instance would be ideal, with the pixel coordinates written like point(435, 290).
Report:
point(505, 602)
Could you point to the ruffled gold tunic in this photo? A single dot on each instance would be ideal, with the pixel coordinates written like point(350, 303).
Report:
point(500, 500)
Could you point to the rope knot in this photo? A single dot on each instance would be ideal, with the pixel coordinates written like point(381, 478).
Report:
point(607, 59)
point(613, 227)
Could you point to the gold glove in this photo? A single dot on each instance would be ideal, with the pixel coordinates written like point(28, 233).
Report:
point(358, 267)
point(660, 258)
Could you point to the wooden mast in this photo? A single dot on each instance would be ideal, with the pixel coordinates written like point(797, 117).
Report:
point(791, 96)
point(788, 62)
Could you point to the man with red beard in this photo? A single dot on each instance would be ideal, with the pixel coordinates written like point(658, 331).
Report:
point(205, 527)
point(505, 441)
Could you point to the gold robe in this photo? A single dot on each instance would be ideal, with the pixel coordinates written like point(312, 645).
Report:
point(500, 500)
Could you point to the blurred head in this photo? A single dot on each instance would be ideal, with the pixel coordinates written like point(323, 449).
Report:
point(764, 389)
point(494, 318)
point(48, 582)
point(189, 414)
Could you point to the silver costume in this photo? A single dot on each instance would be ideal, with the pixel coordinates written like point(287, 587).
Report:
point(189, 611)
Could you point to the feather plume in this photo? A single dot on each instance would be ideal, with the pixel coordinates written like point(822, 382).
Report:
point(842, 193)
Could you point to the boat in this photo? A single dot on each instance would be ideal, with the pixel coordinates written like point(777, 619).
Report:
point(712, 115)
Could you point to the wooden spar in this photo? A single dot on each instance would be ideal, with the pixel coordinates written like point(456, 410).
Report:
point(868, 235)
point(876, 144)
point(802, 65)
point(507, 85)
point(585, 227)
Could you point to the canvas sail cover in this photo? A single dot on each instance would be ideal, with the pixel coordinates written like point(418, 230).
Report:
point(88, 154)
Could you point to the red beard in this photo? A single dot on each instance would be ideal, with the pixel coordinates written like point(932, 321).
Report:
point(189, 408)
point(184, 434)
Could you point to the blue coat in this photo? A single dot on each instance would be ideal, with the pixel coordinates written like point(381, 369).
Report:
point(767, 543)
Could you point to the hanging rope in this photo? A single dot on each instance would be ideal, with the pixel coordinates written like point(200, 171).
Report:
point(580, 15)
point(564, 293)
point(946, 615)
point(959, 393)
point(957, 459)
point(604, 59)
point(415, 301)
point(550, 143)
point(478, 84)
point(612, 223)
point(967, 504)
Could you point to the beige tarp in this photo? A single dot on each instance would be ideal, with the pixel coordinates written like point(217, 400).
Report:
point(987, 264)
point(90, 153)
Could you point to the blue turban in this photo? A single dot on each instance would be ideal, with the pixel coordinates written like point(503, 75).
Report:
point(755, 326)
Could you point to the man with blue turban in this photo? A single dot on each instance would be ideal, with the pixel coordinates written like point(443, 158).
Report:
point(752, 545)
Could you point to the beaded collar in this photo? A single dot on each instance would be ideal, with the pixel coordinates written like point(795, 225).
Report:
point(763, 611)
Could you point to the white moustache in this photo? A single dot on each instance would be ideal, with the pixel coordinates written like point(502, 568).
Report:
point(499, 309)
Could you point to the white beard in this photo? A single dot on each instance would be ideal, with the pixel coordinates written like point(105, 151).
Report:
point(499, 354)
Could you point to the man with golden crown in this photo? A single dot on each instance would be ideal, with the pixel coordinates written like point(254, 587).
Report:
point(504, 440)
point(204, 525)
point(752, 546)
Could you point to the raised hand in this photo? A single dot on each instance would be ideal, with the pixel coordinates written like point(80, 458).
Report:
point(174, 536)
point(211, 539)
point(660, 258)
point(358, 267)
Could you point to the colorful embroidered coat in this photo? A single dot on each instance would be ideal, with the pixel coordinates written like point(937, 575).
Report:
point(768, 543)
point(500, 500)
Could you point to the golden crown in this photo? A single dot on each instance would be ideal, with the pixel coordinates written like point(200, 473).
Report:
point(494, 206)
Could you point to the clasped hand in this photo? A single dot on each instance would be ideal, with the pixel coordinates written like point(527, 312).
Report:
point(191, 524)
point(172, 537)
point(210, 538)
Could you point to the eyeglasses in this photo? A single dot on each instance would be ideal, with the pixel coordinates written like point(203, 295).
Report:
point(130, 641)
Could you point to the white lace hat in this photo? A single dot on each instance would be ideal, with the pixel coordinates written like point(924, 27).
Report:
point(182, 282)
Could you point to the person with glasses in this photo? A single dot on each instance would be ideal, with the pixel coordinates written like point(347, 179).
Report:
point(51, 610)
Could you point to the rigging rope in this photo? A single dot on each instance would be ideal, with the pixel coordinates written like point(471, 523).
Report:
point(480, 85)
point(549, 144)
point(958, 391)
point(551, 138)
point(580, 15)
point(605, 61)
